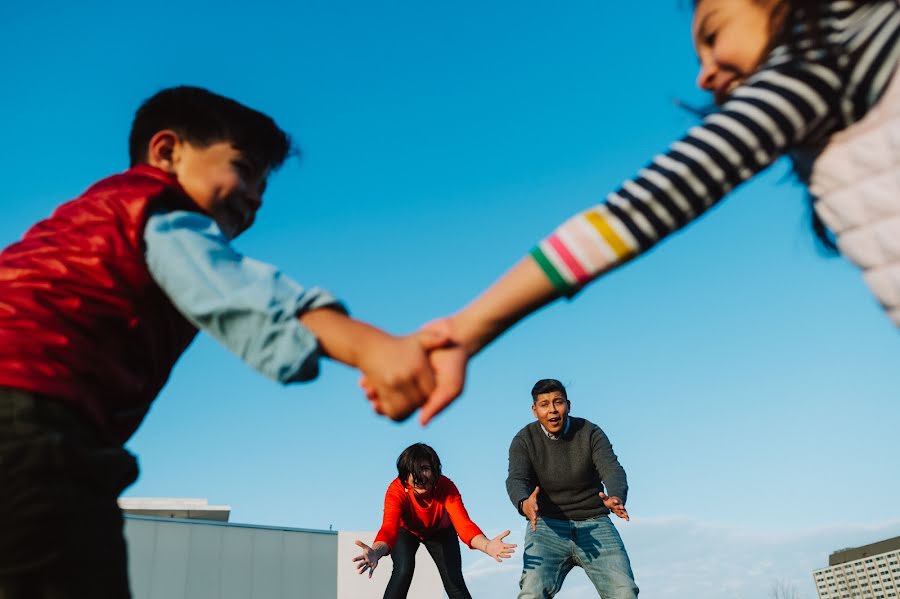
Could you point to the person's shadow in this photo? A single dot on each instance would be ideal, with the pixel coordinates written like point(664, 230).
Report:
point(588, 543)
point(530, 561)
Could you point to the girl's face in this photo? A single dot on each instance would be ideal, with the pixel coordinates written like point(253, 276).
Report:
point(731, 38)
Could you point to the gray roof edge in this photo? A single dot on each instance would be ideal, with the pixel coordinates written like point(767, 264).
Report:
point(851, 554)
point(228, 524)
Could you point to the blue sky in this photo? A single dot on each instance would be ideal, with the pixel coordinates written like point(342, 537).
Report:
point(749, 384)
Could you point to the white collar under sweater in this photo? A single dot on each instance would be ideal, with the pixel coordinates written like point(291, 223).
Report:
point(556, 437)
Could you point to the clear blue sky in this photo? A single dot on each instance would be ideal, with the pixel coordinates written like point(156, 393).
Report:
point(749, 384)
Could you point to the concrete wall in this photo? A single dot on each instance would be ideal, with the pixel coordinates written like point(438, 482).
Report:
point(185, 559)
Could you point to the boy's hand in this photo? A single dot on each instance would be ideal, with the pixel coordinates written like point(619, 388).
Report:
point(396, 370)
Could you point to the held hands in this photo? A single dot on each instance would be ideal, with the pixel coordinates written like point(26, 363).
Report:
point(435, 389)
point(396, 370)
point(499, 550)
point(615, 505)
point(368, 559)
point(448, 363)
point(530, 508)
point(397, 374)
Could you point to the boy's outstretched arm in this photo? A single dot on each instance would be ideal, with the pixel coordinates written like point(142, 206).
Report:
point(396, 368)
point(522, 290)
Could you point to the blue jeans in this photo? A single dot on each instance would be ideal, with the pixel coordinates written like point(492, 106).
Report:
point(557, 546)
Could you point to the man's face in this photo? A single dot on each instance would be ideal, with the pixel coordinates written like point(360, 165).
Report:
point(551, 410)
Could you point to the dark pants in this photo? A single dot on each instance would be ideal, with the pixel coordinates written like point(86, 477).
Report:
point(60, 527)
point(444, 550)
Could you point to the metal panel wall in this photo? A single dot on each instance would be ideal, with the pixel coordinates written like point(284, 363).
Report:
point(186, 559)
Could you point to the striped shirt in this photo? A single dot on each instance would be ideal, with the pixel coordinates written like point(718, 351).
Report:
point(819, 81)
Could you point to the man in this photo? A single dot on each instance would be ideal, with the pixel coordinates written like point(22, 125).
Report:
point(558, 468)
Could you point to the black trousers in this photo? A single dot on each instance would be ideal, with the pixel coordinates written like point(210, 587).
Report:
point(444, 549)
point(60, 526)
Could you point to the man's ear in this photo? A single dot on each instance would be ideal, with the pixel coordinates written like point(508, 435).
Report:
point(534, 409)
point(163, 150)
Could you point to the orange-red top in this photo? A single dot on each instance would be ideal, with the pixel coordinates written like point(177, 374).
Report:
point(402, 508)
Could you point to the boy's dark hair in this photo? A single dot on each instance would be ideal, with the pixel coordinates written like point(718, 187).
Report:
point(203, 118)
point(422, 462)
point(547, 386)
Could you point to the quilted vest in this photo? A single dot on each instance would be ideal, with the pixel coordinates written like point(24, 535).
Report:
point(856, 182)
point(81, 319)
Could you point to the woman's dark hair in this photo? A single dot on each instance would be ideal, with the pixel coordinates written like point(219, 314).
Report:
point(422, 462)
point(203, 118)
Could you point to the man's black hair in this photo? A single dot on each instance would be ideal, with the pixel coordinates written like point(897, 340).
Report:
point(547, 386)
point(422, 462)
point(203, 118)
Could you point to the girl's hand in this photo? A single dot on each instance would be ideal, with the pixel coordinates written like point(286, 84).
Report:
point(367, 560)
point(499, 550)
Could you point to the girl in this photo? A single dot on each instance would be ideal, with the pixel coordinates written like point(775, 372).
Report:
point(423, 506)
point(813, 78)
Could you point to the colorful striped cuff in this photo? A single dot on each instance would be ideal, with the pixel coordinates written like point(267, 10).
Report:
point(556, 278)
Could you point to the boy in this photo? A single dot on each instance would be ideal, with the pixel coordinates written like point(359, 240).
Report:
point(97, 303)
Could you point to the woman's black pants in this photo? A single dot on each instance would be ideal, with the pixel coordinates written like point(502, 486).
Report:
point(444, 549)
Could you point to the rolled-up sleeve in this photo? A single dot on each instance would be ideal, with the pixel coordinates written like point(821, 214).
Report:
point(249, 306)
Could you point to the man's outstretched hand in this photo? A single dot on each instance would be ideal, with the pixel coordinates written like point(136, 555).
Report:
point(530, 508)
point(615, 505)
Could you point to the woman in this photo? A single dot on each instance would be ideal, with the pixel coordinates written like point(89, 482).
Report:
point(423, 506)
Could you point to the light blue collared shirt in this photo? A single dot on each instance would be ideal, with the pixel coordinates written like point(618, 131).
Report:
point(251, 307)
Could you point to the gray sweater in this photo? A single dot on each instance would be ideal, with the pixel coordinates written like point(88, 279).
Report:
point(570, 471)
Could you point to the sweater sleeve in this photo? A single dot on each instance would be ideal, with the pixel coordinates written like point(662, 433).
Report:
point(607, 464)
point(390, 522)
point(778, 108)
point(453, 503)
point(520, 479)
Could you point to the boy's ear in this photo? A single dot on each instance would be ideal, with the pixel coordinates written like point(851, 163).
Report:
point(163, 150)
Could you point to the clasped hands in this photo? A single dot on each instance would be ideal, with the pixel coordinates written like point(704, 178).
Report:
point(426, 370)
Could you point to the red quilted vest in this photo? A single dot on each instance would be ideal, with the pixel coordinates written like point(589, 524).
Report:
point(81, 320)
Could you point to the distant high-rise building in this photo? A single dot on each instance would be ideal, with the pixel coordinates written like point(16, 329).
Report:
point(867, 572)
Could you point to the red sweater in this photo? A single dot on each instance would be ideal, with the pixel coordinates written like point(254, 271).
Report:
point(445, 507)
point(81, 319)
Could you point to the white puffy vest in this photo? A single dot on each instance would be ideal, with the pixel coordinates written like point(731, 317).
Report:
point(856, 180)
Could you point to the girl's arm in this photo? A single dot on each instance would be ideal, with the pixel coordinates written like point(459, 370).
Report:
point(777, 109)
point(522, 290)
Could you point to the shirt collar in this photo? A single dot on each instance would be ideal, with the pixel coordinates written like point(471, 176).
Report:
point(557, 437)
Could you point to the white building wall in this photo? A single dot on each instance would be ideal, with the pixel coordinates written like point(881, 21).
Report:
point(192, 559)
point(426, 583)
